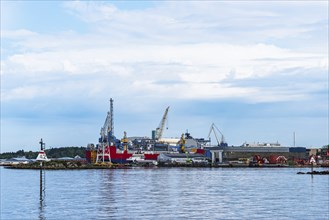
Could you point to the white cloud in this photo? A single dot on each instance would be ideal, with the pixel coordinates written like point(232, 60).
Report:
point(172, 52)
point(195, 66)
point(208, 21)
point(173, 43)
point(27, 92)
point(17, 34)
point(91, 11)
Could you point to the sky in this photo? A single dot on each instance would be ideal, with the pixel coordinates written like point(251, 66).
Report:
point(257, 69)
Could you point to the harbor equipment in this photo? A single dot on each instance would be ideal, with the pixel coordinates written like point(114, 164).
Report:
point(182, 143)
point(106, 138)
point(107, 147)
point(125, 141)
point(213, 129)
point(91, 153)
point(107, 131)
point(160, 128)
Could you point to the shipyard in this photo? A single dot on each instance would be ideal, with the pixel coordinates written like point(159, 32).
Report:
point(163, 110)
point(186, 151)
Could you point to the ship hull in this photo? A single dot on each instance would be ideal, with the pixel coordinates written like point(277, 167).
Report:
point(112, 155)
point(151, 156)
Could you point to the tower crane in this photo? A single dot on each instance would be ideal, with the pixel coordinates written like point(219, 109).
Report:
point(107, 136)
point(213, 129)
point(160, 128)
point(106, 132)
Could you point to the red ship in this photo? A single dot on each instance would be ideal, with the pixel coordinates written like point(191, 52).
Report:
point(151, 156)
point(112, 155)
point(106, 150)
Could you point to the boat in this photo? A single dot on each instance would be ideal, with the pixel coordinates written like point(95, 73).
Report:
point(109, 148)
point(151, 156)
point(140, 159)
point(112, 155)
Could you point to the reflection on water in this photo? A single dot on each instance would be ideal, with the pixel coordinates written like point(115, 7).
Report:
point(165, 193)
point(42, 193)
point(106, 193)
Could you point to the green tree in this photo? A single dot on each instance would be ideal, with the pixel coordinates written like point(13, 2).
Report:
point(51, 153)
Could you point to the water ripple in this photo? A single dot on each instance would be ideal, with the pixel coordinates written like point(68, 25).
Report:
point(165, 193)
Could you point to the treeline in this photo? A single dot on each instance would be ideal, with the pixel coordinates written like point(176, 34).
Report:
point(51, 153)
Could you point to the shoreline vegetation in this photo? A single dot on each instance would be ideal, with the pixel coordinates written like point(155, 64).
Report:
point(51, 153)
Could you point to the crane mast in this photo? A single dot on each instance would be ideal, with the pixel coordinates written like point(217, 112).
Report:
point(160, 128)
point(111, 125)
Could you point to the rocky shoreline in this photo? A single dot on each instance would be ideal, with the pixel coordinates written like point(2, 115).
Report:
point(325, 172)
point(76, 165)
point(63, 165)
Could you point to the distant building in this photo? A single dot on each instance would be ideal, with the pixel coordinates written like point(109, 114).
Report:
point(258, 144)
point(16, 160)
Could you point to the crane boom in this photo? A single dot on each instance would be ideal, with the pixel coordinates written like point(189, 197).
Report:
point(160, 128)
point(107, 131)
point(212, 129)
point(105, 128)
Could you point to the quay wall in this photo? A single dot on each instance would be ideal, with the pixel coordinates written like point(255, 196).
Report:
point(237, 155)
point(234, 153)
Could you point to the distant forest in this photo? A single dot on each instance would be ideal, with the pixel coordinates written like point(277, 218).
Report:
point(51, 153)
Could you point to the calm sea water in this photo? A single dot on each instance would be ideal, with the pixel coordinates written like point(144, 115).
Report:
point(165, 193)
